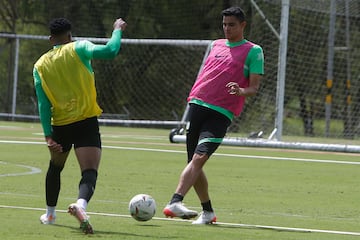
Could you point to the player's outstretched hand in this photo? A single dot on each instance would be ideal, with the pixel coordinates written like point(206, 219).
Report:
point(120, 24)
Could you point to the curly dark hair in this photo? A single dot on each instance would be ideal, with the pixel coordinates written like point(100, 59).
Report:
point(59, 26)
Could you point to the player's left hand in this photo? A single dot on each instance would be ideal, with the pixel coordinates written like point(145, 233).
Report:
point(53, 146)
point(235, 89)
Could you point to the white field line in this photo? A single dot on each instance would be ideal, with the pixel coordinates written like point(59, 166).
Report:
point(33, 170)
point(242, 156)
point(22, 142)
point(217, 154)
point(239, 225)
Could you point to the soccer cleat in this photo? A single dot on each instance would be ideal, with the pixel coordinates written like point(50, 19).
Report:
point(80, 214)
point(86, 227)
point(205, 217)
point(45, 219)
point(177, 209)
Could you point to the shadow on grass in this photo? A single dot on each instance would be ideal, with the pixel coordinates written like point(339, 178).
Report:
point(99, 233)
point(268, 228)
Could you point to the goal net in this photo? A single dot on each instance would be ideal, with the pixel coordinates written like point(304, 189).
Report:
point(147, 84)
point(316, 80)
point(322, 69)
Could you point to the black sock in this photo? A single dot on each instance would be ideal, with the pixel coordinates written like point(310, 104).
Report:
point(176, 198)
point(207, 206)
point(52, 184)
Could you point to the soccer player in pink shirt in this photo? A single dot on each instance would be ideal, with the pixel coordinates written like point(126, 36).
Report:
point(231, 73)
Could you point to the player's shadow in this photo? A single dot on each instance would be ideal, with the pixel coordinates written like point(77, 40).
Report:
point(256, 228)
point(117, 233)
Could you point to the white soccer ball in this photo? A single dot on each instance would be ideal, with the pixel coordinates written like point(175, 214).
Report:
point(142, 207)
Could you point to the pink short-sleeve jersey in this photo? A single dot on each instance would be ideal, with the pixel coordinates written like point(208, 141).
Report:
point(224, 64)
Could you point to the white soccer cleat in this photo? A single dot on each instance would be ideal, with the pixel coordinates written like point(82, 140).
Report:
point(47, 219)
point(80, 214)
point(205, 217)
point(179, 210)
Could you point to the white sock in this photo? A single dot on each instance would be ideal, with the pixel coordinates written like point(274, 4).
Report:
point(82, 203)
point(50, 210)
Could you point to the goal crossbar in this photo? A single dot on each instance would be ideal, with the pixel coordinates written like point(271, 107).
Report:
point(245, 142)
point(172, 42)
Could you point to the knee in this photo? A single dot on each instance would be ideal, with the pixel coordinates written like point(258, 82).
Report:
point(55, 168)
point(198, 160)
point(89, 177)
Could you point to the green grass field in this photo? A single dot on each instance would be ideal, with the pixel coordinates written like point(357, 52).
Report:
point(251, 188)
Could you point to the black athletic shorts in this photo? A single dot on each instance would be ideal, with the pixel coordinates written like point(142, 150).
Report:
point(205, 130)
point(84, 133)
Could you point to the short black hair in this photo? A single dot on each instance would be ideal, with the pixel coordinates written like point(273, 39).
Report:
point(234, 11)
point(59, 26)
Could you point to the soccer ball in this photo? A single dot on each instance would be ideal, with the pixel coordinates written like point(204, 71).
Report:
point(142, 207)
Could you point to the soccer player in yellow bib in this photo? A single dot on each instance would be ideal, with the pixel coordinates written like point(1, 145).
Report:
point(65, 88)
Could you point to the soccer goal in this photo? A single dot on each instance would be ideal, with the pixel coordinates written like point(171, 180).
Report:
point(308, 49)
point(147, 84)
